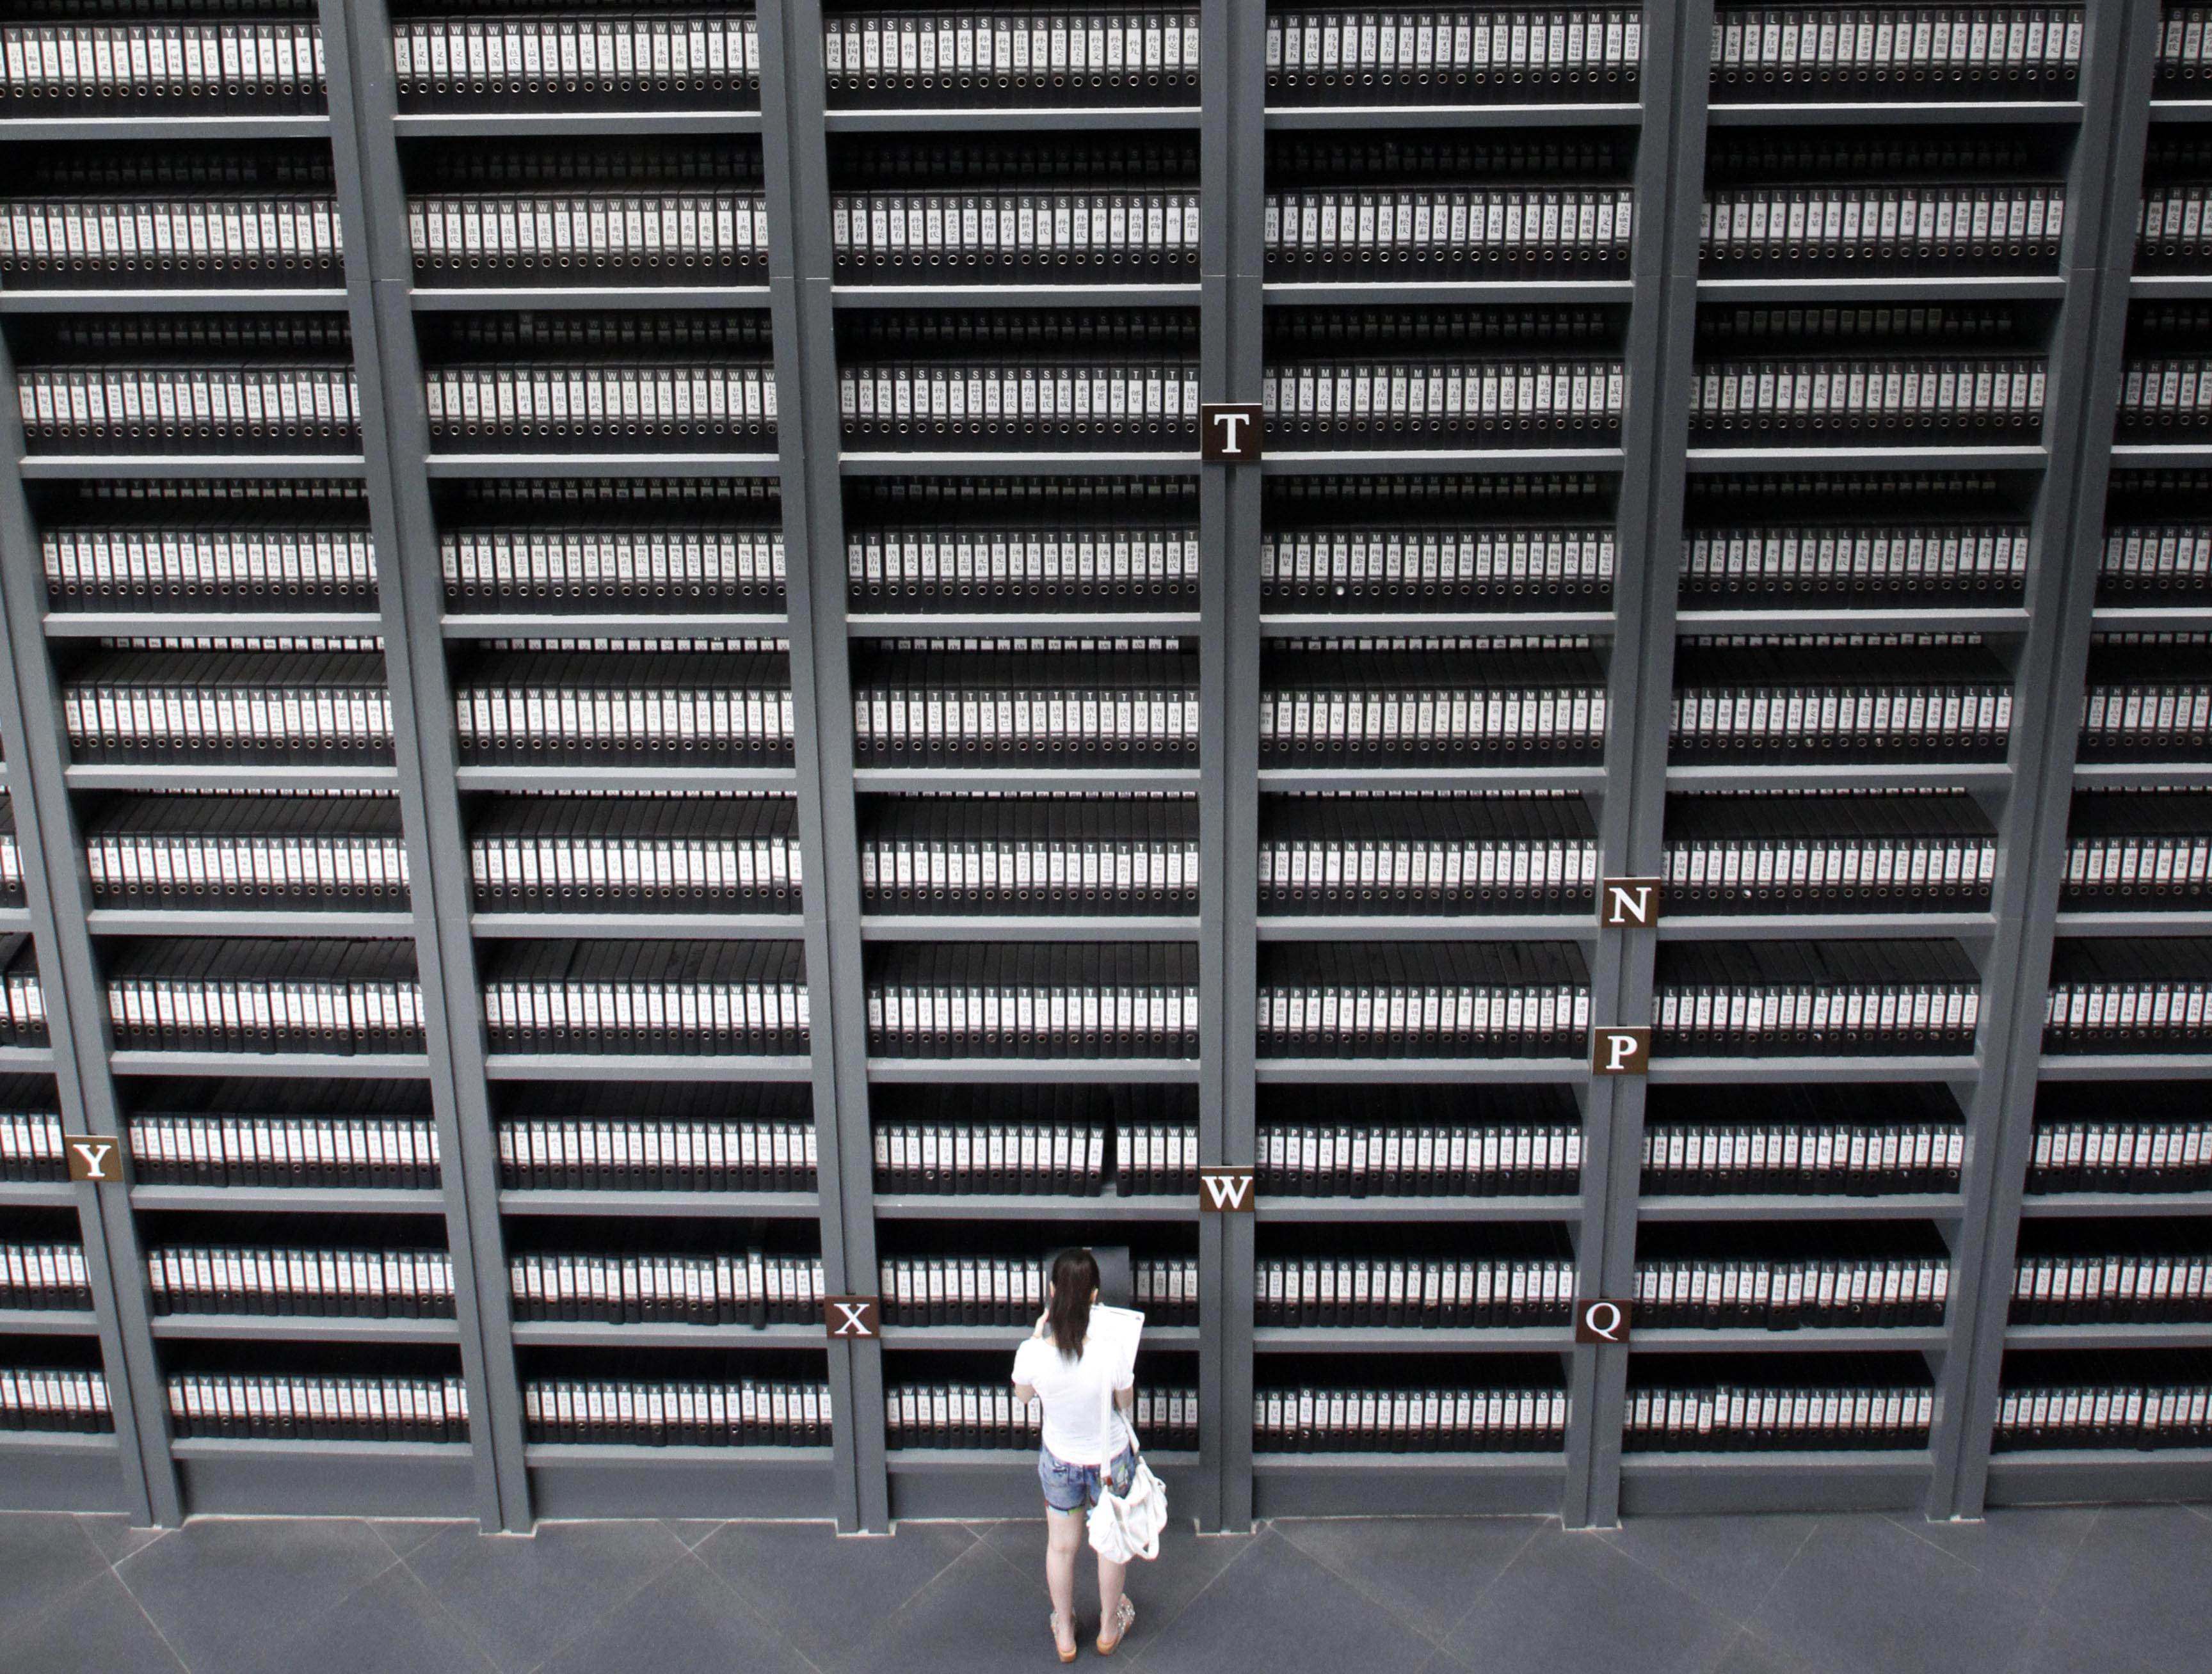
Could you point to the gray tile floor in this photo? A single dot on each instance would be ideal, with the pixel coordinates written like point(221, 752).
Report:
point(2125, 1591)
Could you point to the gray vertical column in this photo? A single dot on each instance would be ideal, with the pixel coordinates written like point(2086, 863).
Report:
point(1232, 253)
point(396, 438)
point(1670, 166)
point(808, 438)
point(57, 891)
point(2119, 57)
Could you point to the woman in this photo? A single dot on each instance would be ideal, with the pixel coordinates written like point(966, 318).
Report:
point(1084, 1441)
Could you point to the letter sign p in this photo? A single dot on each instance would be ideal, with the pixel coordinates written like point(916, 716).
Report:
point(1620, 1051)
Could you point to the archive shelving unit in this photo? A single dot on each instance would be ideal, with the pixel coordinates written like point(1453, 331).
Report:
point(377, 141)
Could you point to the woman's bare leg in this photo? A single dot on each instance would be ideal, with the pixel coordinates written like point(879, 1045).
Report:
point(1110, 1575)
point(1063, 1539)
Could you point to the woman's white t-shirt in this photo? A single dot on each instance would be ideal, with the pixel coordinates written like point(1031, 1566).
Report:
point(1074, 1393)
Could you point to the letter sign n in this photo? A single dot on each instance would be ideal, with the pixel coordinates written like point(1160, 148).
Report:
point(1228, 432)
point(1629, 903)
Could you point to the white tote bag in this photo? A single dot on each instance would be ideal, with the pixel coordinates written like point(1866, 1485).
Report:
point(1126, 1527)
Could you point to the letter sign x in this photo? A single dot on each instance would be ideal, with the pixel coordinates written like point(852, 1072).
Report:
point(850, 1317)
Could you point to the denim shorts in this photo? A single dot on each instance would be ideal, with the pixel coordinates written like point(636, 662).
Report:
point(1075, 1486)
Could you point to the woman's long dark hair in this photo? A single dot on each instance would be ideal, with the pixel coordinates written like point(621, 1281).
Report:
point(1067, 1311)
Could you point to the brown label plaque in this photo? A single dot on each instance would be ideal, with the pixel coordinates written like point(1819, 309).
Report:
point(1629, 903)
point(1228, 432)
point(1601, 1320)
point(1226, 1191)
point(96, 1158)
point(1620, 1051)
point(853, 1317)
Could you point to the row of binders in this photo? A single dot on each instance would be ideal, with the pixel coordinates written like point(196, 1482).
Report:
point(299, 1282)
point(1780, 1416)
point(1049, 855)
point(2149, 697)
point(398, 1152)
point(523, 61)
point(54, 1399)
point(1854, 562)
point(570, 233)
point(1448, 54)
point(1791, 853)
point(665, 1137)
point(2093, 1402)
point(2163, 1144)
point(1338, 1419)
point(1435, 565)
point(43, 1277)
point(1393, 232)
point(1010, 999)
point(289, 1406)
point(1516, 1143)
point(1871, 1292)
point(688, 564)
point(22, 1000)
point(1418, 702)
point(671, 853)
point(2138, 851)
point(1423, 1000)
point(192, 851)
point(1806, 1142)
point(1333, 853)
point(2145, 995)
point(731, 707)
point(2152, 1283)
point(294, 237)
point(1413, 1294)
point(261, 705)
point(1114, 701)
point(1790, 699)
point(153, 67)
point(1745, 999)
point(1951, 399)
point(11, 857)
point(30, 1132)
point(967, 1414)
point(1869, 229)
point(1917, 51)
point(1043, 560)
point(1132, 234)
point(681, 998)
point(615, 405)
point(288, 408)
point(249, 995)
point(1009, 1290)
point(1038, 55)
point(197, 544)
point(1065, 1141)
point(734, 1287)
point(737, 1412)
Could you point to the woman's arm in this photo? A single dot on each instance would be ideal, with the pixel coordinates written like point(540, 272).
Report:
point(1126, 1399)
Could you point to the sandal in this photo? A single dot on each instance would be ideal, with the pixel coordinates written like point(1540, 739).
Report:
point(1067, 1650)
point(1123, 1619)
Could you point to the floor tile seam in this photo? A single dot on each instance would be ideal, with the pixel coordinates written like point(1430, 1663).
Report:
point(18, 1630)
point(485, 1650)
point(1536, 1527)
point(290, 1628)
point(1675, 1586)
point(1898, 1522)
point(1392, 1611)
point(753, 1612)
point(1155, 1623)
point(175, 1655)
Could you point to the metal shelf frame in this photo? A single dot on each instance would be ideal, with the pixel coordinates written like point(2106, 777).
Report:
point(859, 1482)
